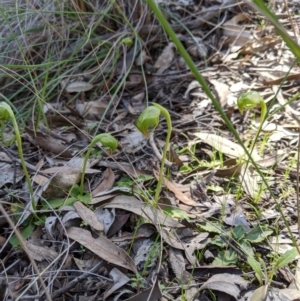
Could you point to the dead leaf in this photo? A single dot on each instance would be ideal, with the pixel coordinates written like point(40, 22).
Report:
point(133, 142)
point(105, 217)
point(86, 265)
point(145, 230)
point(174, 157)
point(4, 157)
point(77, 86)
point(179, 195)
point(60, 121)
point(41, 253)
point(236, 34)
point(226, 146)
point(222, 91)
point(119, 280)
point(134, 205)
point(233, 170)
point(93, 109)
point(102, 247)
point(53, 146)
point(126, 167)
point(260, 293)
point(226, 283)
point(88, 216)
point(107, 182)
point(165, 59)
point(10, 174)
point(251, 181)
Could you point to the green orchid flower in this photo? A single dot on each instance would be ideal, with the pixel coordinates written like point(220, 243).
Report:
point(148, 121)
point(250, 100)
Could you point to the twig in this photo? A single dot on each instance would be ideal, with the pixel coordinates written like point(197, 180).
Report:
point(24, 246)
point(75, 281)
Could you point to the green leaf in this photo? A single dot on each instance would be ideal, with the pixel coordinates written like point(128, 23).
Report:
point(148, 120)
point(26, 232)
point(4, 111)
point(258, 234)
point(176, 213)
point(218, 241)
point(286, 258)
point(106, 140)
point(246, 247)
point(225, 258)
point(213, 228)
point(238, 232)
point(256, 267)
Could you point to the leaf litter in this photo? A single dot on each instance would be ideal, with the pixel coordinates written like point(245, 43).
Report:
point(111, 242)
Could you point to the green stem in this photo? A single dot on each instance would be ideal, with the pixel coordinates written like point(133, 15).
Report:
point(170, 32)
point(166, 114)
point(7, 113)
point(106, 140)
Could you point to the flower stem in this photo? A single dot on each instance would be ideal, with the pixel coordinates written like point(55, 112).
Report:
point(166, 114)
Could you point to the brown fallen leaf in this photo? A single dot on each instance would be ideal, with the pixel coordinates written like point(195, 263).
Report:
point(107, 182)
point(226, 283)
point(53, 146)
point(41, 253)
point(136, 206)
point(119, 280)
point(102, 247)
point(179, 195)
point(233, 169)
point(88, 216)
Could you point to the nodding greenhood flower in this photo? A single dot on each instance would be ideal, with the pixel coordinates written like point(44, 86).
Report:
point(107, 140)
point(250, 100)
point(148, 120)
point(5, 113)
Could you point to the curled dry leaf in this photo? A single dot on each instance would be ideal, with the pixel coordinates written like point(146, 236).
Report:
point(164, 61)
point(251, 181)
point(78, 86)
point(179, 195)
point(234, 31)
point(53, 146)
point(10, 174)
point(41, 253)
point(102, 247)
point(222, 91)
point(92, 109)
point(119, 280)
point(226, 283)
point(107, 182)
point(226, 146)
point(88, 216)
point(136, 206)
